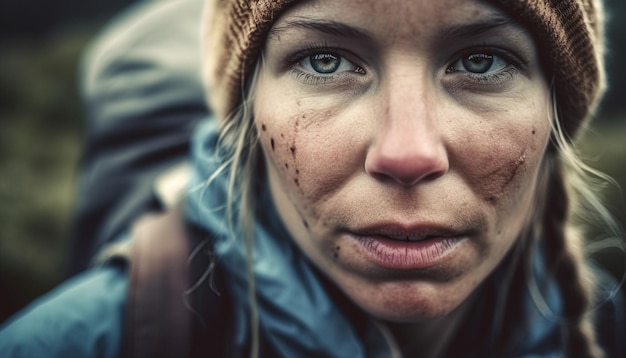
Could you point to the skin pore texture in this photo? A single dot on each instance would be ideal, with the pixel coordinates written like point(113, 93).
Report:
point(403, 142)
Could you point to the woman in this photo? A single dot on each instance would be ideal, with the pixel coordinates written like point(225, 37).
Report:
point(389, 178)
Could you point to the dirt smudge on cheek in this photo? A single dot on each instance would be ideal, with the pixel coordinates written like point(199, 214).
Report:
point(292, 151)
point(498, 182)
point(295, 139)
point(336, 252)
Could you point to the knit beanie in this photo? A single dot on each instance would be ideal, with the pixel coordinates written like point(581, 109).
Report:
point(568, 33)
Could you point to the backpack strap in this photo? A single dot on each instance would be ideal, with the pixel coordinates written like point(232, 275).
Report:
point(158, 323)
point(177, 303)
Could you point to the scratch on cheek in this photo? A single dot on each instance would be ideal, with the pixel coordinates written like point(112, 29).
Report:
point(514, 168)
point(497, 181)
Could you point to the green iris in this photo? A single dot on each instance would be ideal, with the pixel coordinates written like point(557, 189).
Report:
point(478, 63)
point(325, 62)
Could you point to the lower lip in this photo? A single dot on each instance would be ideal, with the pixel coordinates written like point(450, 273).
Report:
point(408, 255)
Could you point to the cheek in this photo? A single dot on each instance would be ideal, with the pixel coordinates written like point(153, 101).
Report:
point(302, 152)
point(503, 163)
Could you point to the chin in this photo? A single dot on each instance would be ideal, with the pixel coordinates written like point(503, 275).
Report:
point(410, 302)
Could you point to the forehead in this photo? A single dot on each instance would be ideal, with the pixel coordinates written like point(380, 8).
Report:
point(400, 19)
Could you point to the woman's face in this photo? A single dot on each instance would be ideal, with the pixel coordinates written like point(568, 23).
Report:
point(403, 141)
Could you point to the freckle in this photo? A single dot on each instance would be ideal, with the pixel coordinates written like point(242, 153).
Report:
point(338, 248)
point(263, 128)
point(272, 143)
point(295, 180)
point(534, 131)
point(306, 224)
point(282, 135)
point(304, 116)
point(491, 199)
point(336, 255)
point(297, 171)
point(287, 165)
point(293, 150)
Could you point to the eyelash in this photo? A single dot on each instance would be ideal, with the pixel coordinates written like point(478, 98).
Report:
point(514, 65)
point(311, 78)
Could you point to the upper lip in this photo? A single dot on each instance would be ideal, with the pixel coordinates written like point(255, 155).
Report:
point(414, 232)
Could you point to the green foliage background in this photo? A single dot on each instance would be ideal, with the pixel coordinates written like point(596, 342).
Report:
point(41, 127)
point(40, 140)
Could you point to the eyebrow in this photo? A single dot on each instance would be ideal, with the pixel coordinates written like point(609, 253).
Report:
point(339, 29)
point(480, 27)
point(332, 28)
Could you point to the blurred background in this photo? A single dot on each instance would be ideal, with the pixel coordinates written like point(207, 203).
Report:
point(42, 123)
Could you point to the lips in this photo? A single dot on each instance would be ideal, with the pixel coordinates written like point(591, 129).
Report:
point(406, 233)
point(407, 237)
point(403, 247)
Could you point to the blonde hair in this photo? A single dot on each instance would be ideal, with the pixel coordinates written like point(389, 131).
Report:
point(239, 149)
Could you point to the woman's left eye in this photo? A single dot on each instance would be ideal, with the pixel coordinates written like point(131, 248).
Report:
point(327, 64)
point(479, 63)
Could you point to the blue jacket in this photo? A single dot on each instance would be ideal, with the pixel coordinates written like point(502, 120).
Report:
point(81, 318)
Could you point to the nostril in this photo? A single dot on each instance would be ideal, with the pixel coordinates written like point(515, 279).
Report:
point(406, 167)
point(433, 176)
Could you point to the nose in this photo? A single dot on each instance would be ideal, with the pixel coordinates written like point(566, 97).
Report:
point(409, 147)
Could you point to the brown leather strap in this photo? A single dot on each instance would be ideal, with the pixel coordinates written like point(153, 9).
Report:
point(158, 321)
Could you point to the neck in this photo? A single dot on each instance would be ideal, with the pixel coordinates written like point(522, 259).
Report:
point(429, 338)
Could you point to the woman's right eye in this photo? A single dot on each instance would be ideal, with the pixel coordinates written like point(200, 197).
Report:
point(327, 63)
